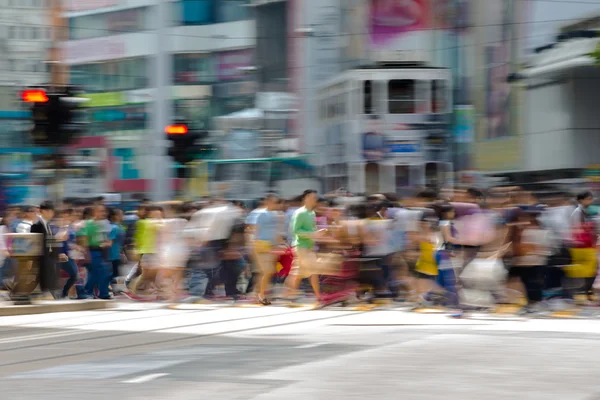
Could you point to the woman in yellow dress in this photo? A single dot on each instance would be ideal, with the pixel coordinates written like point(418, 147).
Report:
point(426, 268)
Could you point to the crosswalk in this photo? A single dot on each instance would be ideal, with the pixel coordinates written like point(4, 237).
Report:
point(215, 320)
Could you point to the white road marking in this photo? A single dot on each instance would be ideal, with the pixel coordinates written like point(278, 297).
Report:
point(145, 378)
point(17, 339)
point(310, 345)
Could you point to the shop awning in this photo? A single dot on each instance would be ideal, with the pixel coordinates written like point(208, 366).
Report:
point(563, 66)
point(562, 56)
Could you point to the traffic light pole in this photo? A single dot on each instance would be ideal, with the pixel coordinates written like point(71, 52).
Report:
point(158, 161)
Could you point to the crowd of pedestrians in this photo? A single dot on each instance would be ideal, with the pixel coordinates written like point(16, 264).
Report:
point(456, 249)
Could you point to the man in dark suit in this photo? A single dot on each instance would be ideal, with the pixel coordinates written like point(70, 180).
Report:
point(48, 261)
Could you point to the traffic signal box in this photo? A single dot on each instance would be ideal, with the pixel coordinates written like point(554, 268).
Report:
point(56, 115)
point(185, 145)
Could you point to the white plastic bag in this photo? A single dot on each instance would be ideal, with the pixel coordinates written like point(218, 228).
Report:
point(487, 274)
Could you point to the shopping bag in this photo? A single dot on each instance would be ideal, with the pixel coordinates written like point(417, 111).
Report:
point(486, 274)
point(584, 263)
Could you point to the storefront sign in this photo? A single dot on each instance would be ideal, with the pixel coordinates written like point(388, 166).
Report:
point(111, 99)
point(139, 96)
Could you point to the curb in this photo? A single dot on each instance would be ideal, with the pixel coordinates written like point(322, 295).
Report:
point(54, 307)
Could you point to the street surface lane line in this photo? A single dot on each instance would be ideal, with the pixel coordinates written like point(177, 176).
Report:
point(310, 345)
point(145, 378)
point(41, 336)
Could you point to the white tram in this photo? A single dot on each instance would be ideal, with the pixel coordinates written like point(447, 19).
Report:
point(386, 129)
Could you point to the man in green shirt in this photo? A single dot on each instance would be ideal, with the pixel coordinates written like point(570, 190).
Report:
point(93, 236)
point(304, 228)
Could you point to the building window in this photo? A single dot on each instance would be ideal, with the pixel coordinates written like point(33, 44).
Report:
point(193, 68)
point(368, 97)
point(112, 76)
point(402, 96)
point(198, 12)
point(112, 23)
point(232, 10)
point(439, 96)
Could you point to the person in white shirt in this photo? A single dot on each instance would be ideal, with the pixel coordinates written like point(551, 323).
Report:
point(29, 218)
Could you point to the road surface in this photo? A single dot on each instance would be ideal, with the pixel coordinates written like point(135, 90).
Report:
point(143, 351)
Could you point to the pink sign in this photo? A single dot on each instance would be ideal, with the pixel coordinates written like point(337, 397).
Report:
point(84, 5)
point(390, 19)
point(230, 64)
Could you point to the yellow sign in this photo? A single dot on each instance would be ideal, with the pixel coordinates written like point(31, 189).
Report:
point(110, 99)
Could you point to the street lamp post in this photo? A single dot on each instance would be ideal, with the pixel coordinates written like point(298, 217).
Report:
point(162, 108)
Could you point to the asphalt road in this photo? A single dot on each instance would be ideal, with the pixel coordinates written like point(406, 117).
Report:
point(144, 352)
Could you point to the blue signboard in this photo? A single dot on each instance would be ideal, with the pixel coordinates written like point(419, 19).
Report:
point(403, 146)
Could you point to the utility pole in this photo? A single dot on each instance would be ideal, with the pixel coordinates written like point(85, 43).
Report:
point(162, 107)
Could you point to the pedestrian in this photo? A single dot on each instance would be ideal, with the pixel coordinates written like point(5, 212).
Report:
point(304, 229)
point(267, 240)
point(117, 238)
point(67, 264)
point(48, 272)
point(93, 236)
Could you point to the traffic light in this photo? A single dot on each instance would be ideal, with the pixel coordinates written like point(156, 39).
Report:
point(56, 114)
point(185, 144)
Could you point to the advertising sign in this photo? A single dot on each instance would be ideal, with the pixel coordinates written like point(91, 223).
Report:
point(464, 124)
point(229, 64)
point(400, 26)
point(403, 146)
point(110, 99)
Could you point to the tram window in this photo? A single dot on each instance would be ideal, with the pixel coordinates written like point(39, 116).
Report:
point(372, 178)
point(402, 177)
point(431, 174)
point(402, 96)
point(368, 97)
point(438, 98)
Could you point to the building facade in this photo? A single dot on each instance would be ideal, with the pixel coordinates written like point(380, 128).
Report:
point(26, 35)
point(112, 50)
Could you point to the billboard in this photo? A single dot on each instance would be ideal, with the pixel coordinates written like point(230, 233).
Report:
point(400, 26)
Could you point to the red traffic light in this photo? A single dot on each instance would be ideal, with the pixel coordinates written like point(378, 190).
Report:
point(176, 130)
point(34, 96)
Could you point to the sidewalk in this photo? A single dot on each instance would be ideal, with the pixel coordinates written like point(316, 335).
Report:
point(7, 309)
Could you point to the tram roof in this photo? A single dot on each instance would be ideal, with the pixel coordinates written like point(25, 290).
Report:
point(387, 69)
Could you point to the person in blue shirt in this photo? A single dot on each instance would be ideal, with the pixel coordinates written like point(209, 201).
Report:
point(66, 263)
point(117, 238)
point(267, 236)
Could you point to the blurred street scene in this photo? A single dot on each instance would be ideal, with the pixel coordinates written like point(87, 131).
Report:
point(214, 177)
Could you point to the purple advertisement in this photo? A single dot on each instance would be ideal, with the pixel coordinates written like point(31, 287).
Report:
point(230, 64)
point(398, 24)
